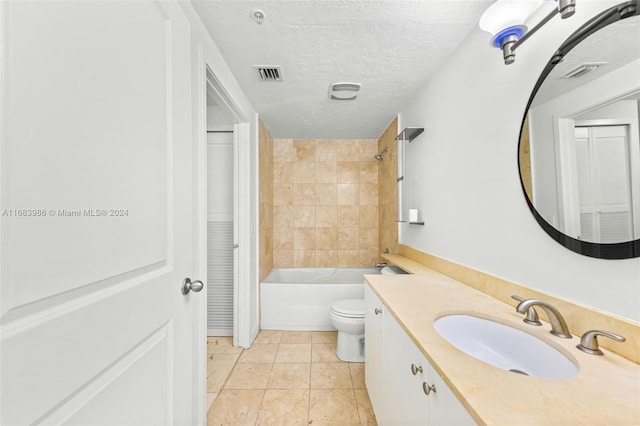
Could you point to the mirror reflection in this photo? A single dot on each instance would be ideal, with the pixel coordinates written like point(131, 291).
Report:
point(580, 142)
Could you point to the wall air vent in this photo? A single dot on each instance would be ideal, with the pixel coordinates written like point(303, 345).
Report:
point(583, 69)
point(269, 72)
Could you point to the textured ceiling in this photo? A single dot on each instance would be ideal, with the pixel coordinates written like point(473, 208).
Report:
point(617, 44)
point(389, 46)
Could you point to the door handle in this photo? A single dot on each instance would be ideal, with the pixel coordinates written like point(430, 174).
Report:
point(188, 285)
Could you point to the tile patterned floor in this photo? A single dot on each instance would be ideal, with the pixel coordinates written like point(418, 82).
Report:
point(285, 378)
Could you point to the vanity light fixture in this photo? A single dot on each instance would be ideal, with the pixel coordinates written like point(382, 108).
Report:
point(506, 21)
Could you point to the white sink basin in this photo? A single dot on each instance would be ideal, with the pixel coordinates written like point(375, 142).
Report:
point(505, 347)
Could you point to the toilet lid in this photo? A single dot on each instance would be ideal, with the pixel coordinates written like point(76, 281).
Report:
point(352, 308)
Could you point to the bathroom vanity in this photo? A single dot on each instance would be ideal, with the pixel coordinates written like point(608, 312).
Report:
point(403, 387)
point(414, 376)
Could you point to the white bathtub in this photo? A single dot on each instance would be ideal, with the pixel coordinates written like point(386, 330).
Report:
point(299, 298)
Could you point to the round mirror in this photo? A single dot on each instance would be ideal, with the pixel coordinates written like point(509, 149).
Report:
point(579, 152)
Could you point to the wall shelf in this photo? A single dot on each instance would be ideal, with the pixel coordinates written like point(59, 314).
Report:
point(409, 133)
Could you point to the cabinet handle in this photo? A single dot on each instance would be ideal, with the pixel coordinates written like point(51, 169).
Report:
point(428, 388)
point(377, 311)
point(415, 369)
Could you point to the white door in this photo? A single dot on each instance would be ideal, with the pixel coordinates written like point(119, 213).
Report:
point(604, 183)
point(96, 214)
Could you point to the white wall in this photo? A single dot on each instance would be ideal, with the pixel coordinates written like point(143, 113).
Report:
point(463, 175)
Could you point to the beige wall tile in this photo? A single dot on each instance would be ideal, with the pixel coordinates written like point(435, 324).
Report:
point(369, 194)
point(367, 149)
point(304, 238)
point(304, 172)
point(368, 172)
point(326, 216)
point(348, 216)
point(303, 217)
point(304, 258)
point(265, 201)
point(326, 150)
point(326, 238)
point(304, 194)
point(282, 216)
point(348, 172)
point(283, 239)
point(304, 150)
point(348, 238)
point(326, 172)
point(326, 259)
point(368, 238)
point(387, 190)
point(326, 194)
point(369, 217)
point(282, 258)
point(348, 149)
point(348, 194)
point(282, 171)
point(282, 194)
point(368, 258)
point(283, 150)
point(348, 258)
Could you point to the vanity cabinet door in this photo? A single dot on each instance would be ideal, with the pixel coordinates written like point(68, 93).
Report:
point(373, 353)
point(444, 407)
point(403, 387)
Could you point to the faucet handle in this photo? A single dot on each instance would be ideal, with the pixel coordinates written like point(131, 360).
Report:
point(531, 317)
point(589, 341)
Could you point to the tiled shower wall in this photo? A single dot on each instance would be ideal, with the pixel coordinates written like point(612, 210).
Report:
point(265, 158)
point(325, 203)
point(388, 189)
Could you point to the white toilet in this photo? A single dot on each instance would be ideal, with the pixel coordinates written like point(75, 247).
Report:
point(348, 317)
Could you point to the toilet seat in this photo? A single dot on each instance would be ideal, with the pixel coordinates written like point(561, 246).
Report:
point(350, 308)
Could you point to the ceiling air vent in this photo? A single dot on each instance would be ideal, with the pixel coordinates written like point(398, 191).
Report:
point(344, 91)
point(583, 69)
point(269, 72)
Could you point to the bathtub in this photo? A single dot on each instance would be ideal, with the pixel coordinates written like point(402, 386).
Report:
point(299, 298)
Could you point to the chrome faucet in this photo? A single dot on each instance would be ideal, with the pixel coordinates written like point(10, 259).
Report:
point(531, 317)
point(558, 324)
point(589, 341)
point(380, 264)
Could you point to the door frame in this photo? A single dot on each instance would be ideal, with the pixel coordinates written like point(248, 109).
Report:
point(204, 74)
point(563, 128)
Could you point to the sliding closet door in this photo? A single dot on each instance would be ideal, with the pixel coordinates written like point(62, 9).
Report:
point(220, 277)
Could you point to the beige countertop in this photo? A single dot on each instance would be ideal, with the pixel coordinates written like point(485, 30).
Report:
point(606, 390)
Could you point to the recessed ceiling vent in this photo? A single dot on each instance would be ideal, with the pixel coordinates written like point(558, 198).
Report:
point(269, 72)
point(344, 91)
point(583, 69)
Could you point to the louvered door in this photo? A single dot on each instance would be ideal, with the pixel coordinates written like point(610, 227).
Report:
point(220, 262)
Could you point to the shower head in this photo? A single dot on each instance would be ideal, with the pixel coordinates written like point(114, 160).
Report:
point(379, 155)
